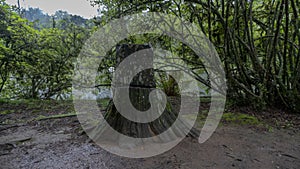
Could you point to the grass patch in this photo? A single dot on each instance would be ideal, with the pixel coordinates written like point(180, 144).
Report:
point(36, 106)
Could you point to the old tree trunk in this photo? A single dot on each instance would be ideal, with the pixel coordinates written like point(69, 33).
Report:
point(140, 87)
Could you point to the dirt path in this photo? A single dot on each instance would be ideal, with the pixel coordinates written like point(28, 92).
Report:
point(60, 143)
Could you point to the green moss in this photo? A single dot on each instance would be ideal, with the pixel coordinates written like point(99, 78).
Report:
point(205, 99)
point(239, 118)
point(41, 117)
point(103, 102)
point(4, 112)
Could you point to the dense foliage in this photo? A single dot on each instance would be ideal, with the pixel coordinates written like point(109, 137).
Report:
point(36, 60)
point(258, 42)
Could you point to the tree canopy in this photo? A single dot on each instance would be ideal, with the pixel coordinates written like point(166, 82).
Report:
point(36, 60)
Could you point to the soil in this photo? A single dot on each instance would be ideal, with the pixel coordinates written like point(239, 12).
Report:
point(61, 143)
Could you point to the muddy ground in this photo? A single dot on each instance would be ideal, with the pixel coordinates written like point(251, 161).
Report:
point(27, 140)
